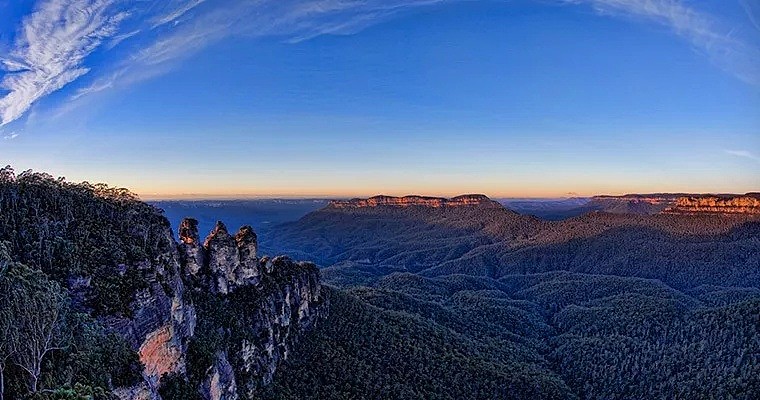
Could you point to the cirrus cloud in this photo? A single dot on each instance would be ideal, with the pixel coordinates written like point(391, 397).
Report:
point(51, 48)
point(54, 42)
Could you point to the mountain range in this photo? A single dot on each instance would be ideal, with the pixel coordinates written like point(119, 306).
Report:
point(359, 243)
point(606, 305)
point(406, 298)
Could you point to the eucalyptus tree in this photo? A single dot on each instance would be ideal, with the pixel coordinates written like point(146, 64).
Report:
point(32, 315)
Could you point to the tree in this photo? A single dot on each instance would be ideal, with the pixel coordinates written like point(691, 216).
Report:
point(33, 311)
point(8, 331)
point(8, 337)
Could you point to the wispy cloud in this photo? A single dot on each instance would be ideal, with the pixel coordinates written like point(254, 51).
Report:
point(54, 41)
point(299, 20)
point(176, 12)
point(10, 136)
point(743, 154)
point(701, 29)
point(120, 38)
point(752, 9)
point(294, 20)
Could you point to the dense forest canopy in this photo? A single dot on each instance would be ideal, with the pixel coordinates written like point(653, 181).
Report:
point(599, 306)
point(554, 335)
point(362, 245)
point(81, 230)
point(68, 255)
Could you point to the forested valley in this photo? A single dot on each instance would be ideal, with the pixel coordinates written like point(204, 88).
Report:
point(475, 302)
point(482, 302)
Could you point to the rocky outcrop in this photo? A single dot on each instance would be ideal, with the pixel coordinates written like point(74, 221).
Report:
point(190, 250)
point(223, 262)
point(162, 323)
point(271, 300)
point(220, 382)
point(286, 302)
point(677, 203)
point(746, 204)
point(418, 201)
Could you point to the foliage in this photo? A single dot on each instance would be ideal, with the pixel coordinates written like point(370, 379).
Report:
point(55, 235)
point(35, 308)
point(97, 356)
point(77, 392)
point(176, 387)
point(589, 336)
point(70, 230)
point(364, 351)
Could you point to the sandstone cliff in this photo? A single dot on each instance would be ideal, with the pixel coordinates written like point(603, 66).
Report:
point(746, 204)
point(419, 201)
point(677, 203)
point(162, 322)
point(266, 305)
point(642, 204)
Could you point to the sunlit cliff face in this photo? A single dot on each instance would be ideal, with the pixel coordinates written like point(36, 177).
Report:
point(747, 204)
point(670, 203)
point(159, 354)
point(408, 201)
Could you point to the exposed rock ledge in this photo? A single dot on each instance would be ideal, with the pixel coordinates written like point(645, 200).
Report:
point(678, 203)
point(422, 201)
point(283, 300)
point(746, 204)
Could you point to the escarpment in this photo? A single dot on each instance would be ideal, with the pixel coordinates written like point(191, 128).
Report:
point(146, 313)
point(236, 314)
point(418, 201)
point(677, 203)
point(746, 204)
point(251, 310)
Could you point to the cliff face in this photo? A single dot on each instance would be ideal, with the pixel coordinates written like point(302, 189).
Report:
point(271, 302)
point(420, 201)
point(290, 303)
point(747, 204)
point(223, 262)
point(677, 203)
point(642, 204)
point(162, 322)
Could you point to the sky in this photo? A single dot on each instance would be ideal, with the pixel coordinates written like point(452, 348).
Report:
point(337, 98)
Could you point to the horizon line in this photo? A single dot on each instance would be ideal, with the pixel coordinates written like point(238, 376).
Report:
point(238, 197)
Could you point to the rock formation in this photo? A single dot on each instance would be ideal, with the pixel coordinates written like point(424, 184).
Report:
point(726, 204)
point(677, 203)
point(223, 261)
point(642, 204)
point(220, 383)
point(279, 299)
point(162, 324)
point(191, 252)
point(420, 201)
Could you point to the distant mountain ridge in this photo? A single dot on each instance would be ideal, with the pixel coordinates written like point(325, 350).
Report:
point(676, 203)
point(361, 244)
point(414, 200)
point(630, 303)
point(640, 204)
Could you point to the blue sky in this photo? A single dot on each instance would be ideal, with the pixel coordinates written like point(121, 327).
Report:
point(340, 98)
